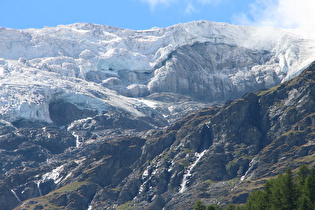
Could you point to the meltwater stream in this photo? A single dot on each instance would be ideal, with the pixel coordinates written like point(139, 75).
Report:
point(187, 175)
point(38, 186)
point(16, 196)
point(77, 137)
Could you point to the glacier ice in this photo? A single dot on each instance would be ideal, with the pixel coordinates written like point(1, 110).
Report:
point(96, 66)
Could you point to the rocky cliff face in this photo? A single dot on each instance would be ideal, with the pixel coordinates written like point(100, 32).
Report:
point(207, 72)
point(217, 154)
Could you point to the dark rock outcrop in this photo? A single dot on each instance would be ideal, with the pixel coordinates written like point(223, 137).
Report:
point(31, 145)
point(63, 113)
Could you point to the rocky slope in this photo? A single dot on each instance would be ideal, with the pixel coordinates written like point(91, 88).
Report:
point(217, 154)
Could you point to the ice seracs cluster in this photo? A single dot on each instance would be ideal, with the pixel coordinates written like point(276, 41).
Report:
point(97, 67)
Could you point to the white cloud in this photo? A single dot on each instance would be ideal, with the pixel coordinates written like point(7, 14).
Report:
point(209, 1)
point(191, 5)
point(153, 3)
point(190, 9)
point(280, 13)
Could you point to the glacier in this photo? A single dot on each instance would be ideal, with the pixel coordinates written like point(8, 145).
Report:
point(99, 68)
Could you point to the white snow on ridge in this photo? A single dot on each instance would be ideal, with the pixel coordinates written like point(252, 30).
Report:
point(121, 48)
point(38, 66)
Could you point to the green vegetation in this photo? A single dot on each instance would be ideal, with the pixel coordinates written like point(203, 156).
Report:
point(71, 187)
point(200, 206)
point(125, 206)
point(269, 91)
point(278, 104)
point(284, 192)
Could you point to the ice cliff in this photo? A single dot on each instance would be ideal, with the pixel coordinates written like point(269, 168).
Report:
point(98, 68)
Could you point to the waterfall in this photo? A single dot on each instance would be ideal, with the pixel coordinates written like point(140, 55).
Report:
point(251, 166)
point(187, 175)
point(38, 186)
point(78, 143)
point(16, 196)
point(90, 207)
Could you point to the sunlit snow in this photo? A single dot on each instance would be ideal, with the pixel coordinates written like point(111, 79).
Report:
point(38, 66)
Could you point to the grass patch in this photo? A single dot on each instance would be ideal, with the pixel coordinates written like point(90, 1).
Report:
point(125, 206)
point(278, 104)
point(187, 150)
point(45, 200)
point(70, 187)
point(309, 160)
point(183, 163)
point(210, 182)
point(233, 182)
point(293, 133)
point(269, 91)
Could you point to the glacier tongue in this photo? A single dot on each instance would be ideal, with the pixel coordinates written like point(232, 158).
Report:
point(80, 63)
point(26, 92)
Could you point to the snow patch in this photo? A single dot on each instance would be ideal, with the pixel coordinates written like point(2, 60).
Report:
point(145, 174)
point(149, 103)
point(53, 175)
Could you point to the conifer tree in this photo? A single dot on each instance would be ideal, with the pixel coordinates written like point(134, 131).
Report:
point(213, 207)
point(288, 191)
point(309, 187)
point(304, 203)
point(199, 205)
point(285, 192)
point(256, 201)
point(302, 174)
point(276, 194)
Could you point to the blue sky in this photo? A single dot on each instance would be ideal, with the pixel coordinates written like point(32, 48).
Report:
point(145, 14)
